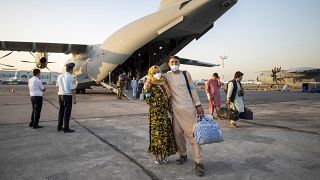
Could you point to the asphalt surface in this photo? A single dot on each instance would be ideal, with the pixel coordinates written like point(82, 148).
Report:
point(111, 140)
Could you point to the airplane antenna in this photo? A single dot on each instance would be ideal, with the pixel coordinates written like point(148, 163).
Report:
point(222, 67)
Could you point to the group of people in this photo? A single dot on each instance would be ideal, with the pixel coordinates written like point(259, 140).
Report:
point(174, 106)
point(234, 95)
point(122, 84)
point(66, 96)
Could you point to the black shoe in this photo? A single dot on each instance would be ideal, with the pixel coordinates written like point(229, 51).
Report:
point(59, 129)
point(68, 130)
point(181, 160)
point(37, 127)
point(30, 124)
point(199, 169)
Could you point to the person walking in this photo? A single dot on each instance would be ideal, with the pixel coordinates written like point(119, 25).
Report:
point(134, 87)
point(123, 80)
point(119, 88)
point(161, 140)
point(140, 87)
point(235, 95)
point(36, 90)
point(186, 105)
point(212, 90)
point(66, 94)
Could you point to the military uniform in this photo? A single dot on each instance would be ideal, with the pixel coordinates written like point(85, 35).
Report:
point(66, 84)
point(36, 91)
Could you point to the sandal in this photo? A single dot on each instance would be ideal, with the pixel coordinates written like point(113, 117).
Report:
point(181, 159)
point(199, 169)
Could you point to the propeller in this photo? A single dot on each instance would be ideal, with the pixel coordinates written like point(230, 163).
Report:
point(6, 55)
point(32, 54)
point(274, 75)
point(27, 61)
point(48, 69)
point(6, 65)
point(30, 70)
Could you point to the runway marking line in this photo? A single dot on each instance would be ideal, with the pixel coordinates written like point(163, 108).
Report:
point(116, 148)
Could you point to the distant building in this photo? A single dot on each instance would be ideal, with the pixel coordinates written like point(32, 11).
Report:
point(13, 76)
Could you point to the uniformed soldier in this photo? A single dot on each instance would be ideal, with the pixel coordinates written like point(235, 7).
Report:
point(36, 90)
point(66, 92)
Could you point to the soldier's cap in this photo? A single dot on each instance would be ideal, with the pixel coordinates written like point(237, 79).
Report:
point(70, 65)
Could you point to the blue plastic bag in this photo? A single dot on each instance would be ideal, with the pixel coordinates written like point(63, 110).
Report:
point(207, 131)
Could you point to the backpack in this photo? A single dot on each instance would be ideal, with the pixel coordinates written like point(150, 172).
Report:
point(226, 87)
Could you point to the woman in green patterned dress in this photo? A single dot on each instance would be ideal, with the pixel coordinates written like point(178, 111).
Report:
point(161, 137)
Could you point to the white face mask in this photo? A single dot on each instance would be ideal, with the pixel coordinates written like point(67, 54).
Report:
point(157, 76)
point(174, 67)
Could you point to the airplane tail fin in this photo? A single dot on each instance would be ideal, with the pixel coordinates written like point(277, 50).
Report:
point(167, 3)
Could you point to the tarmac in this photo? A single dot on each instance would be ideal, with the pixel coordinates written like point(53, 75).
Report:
point(111, 140)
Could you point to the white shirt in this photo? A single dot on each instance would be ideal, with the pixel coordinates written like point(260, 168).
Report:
point(134, 84)
point(35, 86)
point(238, 100)
point(180, 94)
point(66, 84)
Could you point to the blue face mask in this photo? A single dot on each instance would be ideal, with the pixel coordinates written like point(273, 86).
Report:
point(157, 76)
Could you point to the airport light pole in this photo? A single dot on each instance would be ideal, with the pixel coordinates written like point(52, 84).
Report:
point(222, 67)
point(109, 78)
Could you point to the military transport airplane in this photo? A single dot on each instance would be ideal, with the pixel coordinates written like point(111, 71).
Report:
point(132, 48)
point(294, 77)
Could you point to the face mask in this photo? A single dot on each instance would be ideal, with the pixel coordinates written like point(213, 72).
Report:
point(174, 67)
point(157, 76)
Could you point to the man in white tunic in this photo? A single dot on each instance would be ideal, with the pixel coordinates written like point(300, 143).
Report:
point(235, 95)
point(134, 86)
point(185, 108)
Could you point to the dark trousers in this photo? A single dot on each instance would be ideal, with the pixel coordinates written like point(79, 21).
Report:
point(36, 110)
point(65, 102)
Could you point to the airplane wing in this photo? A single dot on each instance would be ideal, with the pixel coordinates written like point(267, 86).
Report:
point(42, 47)
point(196, 63)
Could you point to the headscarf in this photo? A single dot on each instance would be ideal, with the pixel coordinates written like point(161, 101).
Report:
point(161, 81)
point(152, 79)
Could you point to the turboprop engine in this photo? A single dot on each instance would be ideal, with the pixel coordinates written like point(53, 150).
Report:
point(41, 60)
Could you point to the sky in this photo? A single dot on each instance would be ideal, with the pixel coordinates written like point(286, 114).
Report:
point(254, 35)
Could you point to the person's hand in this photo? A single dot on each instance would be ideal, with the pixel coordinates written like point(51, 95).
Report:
point(147, 85)
point(200, 111)
point(209, 97)
point(74, 101)
point(228, 101)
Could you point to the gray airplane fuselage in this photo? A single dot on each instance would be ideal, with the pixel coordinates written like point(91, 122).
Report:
point(169, 29)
